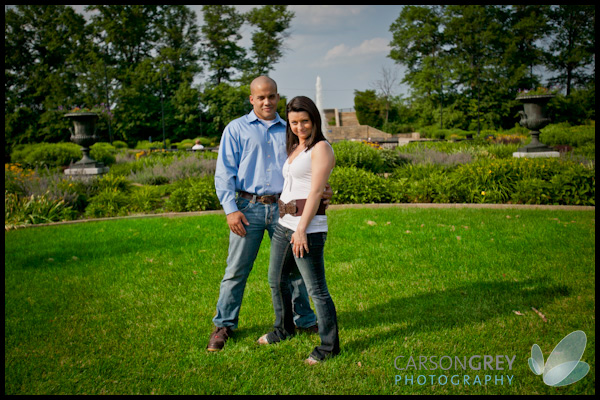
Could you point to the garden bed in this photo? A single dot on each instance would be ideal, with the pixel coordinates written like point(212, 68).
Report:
point(469, 171)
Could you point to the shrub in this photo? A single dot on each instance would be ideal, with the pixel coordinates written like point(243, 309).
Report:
point(173, 169)
point(109, 202)
point(119, 144)
point(103, 152)
point(414, 172)
point(571, 135)
point(194, 194)
point(112, 182)
point(426, 190)
point(145, 199)
point(352, 185)
point(147, 145)
point(574, 186)
point(15, 177)
point(48, 154)
point(424, 155)
point(357, 154)
point(34, 210)
point(532, 191)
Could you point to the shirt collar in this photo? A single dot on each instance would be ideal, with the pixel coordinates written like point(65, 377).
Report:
point(252, 117)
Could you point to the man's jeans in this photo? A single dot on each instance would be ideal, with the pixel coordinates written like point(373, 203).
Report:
point(242, 253)
point(312, 268)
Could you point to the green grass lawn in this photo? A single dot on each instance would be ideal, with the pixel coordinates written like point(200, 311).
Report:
point(126, 306)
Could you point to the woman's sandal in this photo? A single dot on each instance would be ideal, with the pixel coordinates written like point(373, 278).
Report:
point(263, 339)
point(311, 361)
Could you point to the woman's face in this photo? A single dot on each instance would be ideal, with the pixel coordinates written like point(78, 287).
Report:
point(300, 124)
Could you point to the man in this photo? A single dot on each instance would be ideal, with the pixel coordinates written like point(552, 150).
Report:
point(248, 181)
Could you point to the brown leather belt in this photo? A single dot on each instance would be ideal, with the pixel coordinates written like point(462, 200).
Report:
point(266, 199)
point(295, 208)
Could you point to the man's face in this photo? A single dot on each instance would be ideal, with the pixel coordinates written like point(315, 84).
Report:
point(264, 99)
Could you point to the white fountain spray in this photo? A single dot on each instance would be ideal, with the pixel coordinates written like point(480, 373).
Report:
point(320, 106)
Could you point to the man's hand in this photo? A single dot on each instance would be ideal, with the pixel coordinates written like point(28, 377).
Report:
point(236, 221)
point(327, 195)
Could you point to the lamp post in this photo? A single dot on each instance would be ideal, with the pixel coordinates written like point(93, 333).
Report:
point(162, 106)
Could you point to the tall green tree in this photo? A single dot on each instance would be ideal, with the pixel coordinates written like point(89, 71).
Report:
point(419, 44)
point(526, 27)
point(369, 108)
point(572, 50)
point(272, 23)
point(151, 51)
point(476, 53)
point(42, 53)
point(220, 50)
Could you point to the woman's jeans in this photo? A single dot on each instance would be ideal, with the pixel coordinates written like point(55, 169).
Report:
point(242, 253)
point(312, 268)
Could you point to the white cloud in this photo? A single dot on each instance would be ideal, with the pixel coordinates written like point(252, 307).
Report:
point(325, 15)
point(345, 54)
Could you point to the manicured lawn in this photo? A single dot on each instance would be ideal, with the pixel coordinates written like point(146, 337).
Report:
point(125, 306)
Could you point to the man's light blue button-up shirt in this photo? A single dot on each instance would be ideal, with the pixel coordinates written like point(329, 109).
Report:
point(251, 159)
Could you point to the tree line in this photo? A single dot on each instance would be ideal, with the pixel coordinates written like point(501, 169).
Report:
point(139, 65)
point(133, 64)
point(465, 64)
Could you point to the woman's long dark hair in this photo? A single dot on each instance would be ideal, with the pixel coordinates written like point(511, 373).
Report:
point(299, 104)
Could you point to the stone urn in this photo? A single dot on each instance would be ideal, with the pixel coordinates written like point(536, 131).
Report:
point(83, 133)
point(534, 118)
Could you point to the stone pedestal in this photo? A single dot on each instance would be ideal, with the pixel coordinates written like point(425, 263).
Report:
point(520, 154)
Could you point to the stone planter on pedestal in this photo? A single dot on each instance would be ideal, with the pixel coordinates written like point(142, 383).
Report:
point(83, 133)
point(534, 118)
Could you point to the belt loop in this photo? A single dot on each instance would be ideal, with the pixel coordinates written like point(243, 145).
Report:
point(253, 201)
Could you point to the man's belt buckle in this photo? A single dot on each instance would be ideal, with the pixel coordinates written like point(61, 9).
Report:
point(267, 199)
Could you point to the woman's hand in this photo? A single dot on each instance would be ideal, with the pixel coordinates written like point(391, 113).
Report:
point(299, 244)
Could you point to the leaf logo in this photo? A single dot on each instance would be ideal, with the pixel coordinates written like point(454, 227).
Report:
point(563, 366)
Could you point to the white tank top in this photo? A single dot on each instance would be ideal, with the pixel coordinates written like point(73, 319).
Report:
point(296, 185)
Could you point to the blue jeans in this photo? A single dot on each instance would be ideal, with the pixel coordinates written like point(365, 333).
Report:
point(242, 253)
point(312, 268)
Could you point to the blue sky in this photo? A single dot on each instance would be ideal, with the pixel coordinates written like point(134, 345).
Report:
point(345, 45)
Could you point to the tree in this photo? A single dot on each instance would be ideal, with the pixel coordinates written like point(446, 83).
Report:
point(527, 26)
point(273, 22)
point(43, 46)
point(368, 108)
point(386, 86)
point(224, 103)
point(221, 33)
point(129, 29)
point(419, 43)
point(572, 49)
point(150, 53)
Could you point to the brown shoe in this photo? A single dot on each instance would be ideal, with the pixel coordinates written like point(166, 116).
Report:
point(310, 329)
point(218, 338)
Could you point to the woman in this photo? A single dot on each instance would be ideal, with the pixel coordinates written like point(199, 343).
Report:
point(302, 229)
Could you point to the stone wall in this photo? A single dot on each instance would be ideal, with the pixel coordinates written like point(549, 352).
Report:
point(345, 126)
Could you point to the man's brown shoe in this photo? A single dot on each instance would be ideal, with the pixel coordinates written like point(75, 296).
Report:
point(310, 329)
point(218, 338)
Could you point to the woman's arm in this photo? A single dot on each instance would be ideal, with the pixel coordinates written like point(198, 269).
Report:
point(322, 162)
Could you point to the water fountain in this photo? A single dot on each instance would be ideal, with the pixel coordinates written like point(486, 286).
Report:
point(320, 106)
